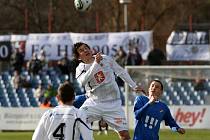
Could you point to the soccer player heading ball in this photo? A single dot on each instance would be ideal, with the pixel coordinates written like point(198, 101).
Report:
point(150, 111)
point(97, 74)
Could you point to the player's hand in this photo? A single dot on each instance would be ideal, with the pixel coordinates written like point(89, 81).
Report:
point(152, 99)
point(98, 57)
point(139, 89)
point(181, 130)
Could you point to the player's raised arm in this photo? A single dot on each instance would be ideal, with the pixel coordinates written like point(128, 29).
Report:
point(122, 73)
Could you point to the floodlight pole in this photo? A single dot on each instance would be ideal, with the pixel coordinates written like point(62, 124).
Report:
point(126, 17)
point(125, 5)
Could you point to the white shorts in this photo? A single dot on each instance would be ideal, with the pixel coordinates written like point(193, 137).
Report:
point(111, 111)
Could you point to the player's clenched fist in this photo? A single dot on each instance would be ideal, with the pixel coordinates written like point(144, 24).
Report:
point(98, 57)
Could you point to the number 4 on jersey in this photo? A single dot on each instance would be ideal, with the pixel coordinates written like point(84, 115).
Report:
point(58, 133)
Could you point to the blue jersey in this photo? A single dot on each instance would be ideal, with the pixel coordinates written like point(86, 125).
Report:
point(79, 100)
point(148, 118)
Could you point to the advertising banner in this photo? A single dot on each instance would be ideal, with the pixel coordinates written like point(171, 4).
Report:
point(108, 43)
point(8, 43)
point(54, 45)
point(5, 48)
point(20, 118)
point(185, 45)
point(192, 116)
point(188, 117)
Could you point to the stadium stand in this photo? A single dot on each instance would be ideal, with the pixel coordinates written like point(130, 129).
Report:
point(24, 96)
point(175, 92)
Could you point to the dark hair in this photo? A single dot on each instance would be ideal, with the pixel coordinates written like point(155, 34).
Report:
point(66, 92)
point(76, 46)
point(161, 84)
point(46, 101)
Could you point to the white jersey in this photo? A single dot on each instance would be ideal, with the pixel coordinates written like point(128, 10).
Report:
point(99, 79)
point(62, 123)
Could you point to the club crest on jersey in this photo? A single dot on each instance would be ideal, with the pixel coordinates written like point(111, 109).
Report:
point(99, 76)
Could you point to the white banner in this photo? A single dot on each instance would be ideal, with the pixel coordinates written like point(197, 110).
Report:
point(20, 118)
point(4, 38)
point(189, 117)
point(107, 43)
point(54, 45)
point(188, 52)
point(15, 38)
point(188, 46)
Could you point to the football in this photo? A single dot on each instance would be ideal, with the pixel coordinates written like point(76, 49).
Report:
point(82, 5)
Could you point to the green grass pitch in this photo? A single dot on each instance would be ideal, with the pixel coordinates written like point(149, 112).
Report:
point(164, 135)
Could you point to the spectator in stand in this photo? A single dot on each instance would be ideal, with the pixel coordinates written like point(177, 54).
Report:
point(46, 103)
point(120, 57)
point(17, 60)
point(156, 57)
point(134, 57)
point(49, 92)
point(16, 80)
point(22, 45)
point(34, 65)
point(19, 81)
point(64, 64)
point(44, 62)
point(138, 60)
point(199, 84)
point(130, 60)
point(39, 92)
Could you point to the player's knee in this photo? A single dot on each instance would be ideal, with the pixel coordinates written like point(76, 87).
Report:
point(124, 135)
